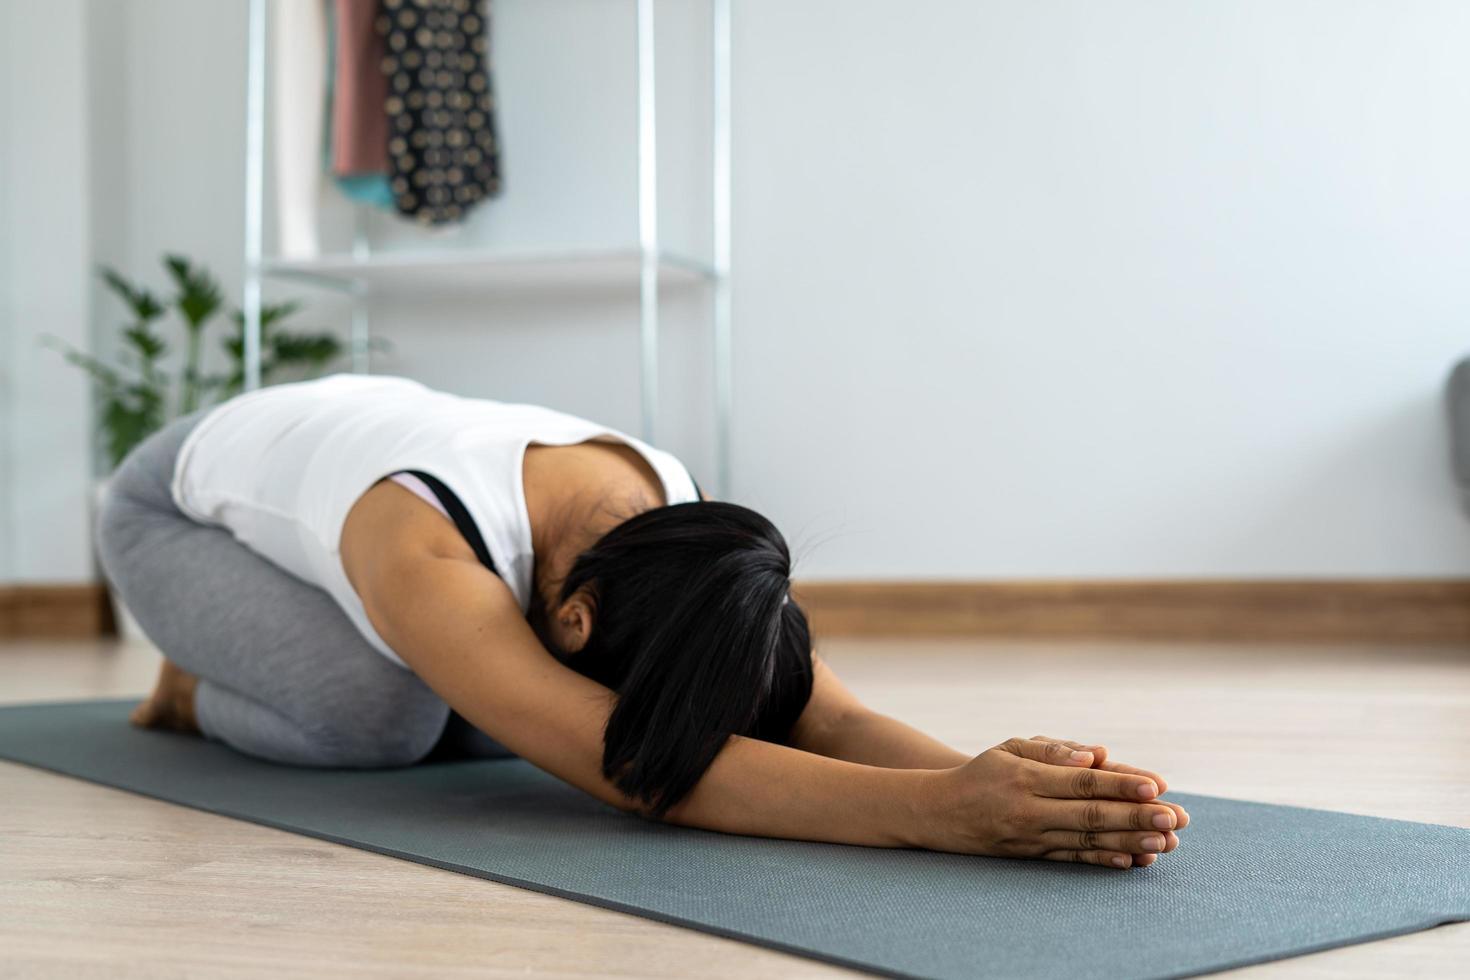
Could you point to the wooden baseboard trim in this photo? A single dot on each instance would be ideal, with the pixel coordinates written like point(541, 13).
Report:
point(69, 611)
point(1387, 610)
point(1395, 610)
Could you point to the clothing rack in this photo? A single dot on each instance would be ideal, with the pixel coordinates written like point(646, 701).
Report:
point(353, 272)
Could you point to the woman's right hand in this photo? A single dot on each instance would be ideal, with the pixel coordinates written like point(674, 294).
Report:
point(1042, 798)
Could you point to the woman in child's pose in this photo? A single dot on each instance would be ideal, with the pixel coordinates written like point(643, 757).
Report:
point(356, 571)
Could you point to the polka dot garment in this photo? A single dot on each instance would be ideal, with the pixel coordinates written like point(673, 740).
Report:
point(443, 157)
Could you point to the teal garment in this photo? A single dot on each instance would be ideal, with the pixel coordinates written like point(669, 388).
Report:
point(1250, 881)
point(371, 189)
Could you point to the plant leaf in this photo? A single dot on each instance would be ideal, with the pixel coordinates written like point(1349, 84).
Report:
point(199, 295)
point(311, 349)
point(143, 304)
point(149, 345)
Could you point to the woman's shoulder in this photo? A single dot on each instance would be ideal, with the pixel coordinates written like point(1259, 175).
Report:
point(391, 539)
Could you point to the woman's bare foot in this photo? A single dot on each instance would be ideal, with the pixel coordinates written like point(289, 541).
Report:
point(171, 705)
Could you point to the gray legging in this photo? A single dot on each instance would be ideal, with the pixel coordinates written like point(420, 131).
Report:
point(283, 674)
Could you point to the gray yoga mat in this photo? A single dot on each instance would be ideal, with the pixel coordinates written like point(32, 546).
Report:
point(1251, 881)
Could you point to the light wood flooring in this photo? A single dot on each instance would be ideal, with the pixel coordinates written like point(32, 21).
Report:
point(97, 882)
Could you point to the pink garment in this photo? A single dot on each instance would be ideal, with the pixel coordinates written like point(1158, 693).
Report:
point(359, 92)
point(419, 489)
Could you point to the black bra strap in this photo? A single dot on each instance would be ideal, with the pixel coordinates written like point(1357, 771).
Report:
point(460, 516)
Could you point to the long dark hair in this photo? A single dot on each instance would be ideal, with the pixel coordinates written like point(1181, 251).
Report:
point(695, 631)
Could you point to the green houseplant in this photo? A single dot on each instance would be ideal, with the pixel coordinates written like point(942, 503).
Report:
point(144, 387)
point(140, 392)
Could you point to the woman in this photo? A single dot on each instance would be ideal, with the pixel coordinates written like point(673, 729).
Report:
point(356, 571)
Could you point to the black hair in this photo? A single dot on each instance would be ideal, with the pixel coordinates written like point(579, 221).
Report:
point(695, 630)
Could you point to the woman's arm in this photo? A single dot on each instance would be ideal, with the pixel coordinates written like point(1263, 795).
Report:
point(457, 625)
point(836, 724)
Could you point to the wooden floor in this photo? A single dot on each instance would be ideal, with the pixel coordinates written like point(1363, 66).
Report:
point(97, 882)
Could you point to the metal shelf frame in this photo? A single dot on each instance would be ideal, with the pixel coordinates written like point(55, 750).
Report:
point(350, 273)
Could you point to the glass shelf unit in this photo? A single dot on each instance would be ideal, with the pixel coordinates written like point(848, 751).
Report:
point(361, 273)
point(471, 269)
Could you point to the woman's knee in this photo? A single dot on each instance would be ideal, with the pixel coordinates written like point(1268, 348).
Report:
point(122, 522)
point(378, 737)
point(138, 497)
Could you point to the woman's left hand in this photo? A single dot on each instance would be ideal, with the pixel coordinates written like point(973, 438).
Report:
point(1065, 752)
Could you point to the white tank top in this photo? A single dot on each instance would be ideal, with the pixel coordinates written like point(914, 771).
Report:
point(281, 467)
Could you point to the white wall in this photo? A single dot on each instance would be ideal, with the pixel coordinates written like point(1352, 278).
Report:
point(1124, 289)
point(1021, 290)
point(44, 422)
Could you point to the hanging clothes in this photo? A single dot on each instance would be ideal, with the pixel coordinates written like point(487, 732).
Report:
point(359, 91)
point(355, 144)
point(298, 68)
point(443, 157)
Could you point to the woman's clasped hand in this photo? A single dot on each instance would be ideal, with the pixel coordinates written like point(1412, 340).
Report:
point(1055, 799)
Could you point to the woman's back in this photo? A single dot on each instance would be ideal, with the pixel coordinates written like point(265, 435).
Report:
point(282, 467)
